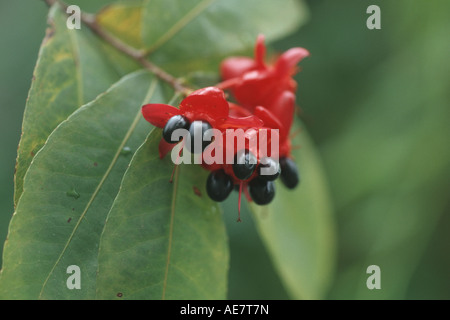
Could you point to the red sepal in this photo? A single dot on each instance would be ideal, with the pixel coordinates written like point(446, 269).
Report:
point(238, 111)
point(287, 62)
point(283, 107)
point(236, 66)
point(207, 104)
point(241, 122)
point(271, 121)
point(164, 148)
point(158, 114)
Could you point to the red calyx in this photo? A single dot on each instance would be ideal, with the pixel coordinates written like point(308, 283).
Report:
point(265, 96)
point(267, 91)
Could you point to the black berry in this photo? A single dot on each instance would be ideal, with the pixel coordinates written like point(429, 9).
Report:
point(244, 165)
point(262, 191)
point(174, 123)
point(289, 173)
point(198, 127)
point(271, 166)
point(219, 185)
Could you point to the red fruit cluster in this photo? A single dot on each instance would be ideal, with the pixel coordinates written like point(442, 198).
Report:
point(256, 85)
point(265, 96)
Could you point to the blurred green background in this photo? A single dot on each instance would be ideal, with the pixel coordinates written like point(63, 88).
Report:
point(376, 102)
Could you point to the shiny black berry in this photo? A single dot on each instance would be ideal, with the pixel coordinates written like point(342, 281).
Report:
point(201, 128)
point(244, 165)
point(270, 166)
point(219, 185)
point(289, 173)
point(261, 191)
point(174, 123)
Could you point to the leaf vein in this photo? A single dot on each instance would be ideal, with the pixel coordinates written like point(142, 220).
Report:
point(76, 57)
point(99, 186)
point(180, 24)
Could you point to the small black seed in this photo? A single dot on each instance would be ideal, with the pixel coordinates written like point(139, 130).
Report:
point(244, 165)
point(194, 129)
point(289, 173)
point(219, 185)
point(274, 166)
point(262, 191)
point(174, 123)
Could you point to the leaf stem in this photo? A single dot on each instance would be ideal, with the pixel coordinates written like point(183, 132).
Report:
point(138, 55)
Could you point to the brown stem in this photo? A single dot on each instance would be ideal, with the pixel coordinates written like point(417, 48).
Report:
point(138, 55)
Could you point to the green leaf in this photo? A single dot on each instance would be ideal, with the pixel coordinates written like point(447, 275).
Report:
point(163, 240)
point(238, 21)
point(71, 159)
point(70, 72)
point(68, 192)
point(124, 19)
point(190, 35)
point(298, 227)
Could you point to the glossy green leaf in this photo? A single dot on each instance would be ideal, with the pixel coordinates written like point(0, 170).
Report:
point(176, 241)
point(298, 227)
point(68, 192)
point(191, 35)
point(163, 240)
point(70, 72)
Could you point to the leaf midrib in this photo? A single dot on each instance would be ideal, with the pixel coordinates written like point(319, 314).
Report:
point(75, 51)
point(77, 57)
point(102, 181)
point(180, 24)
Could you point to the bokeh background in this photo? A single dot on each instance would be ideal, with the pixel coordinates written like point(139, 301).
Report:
point(377, 104)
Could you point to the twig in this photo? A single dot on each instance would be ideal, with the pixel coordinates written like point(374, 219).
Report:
point(138, 55)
